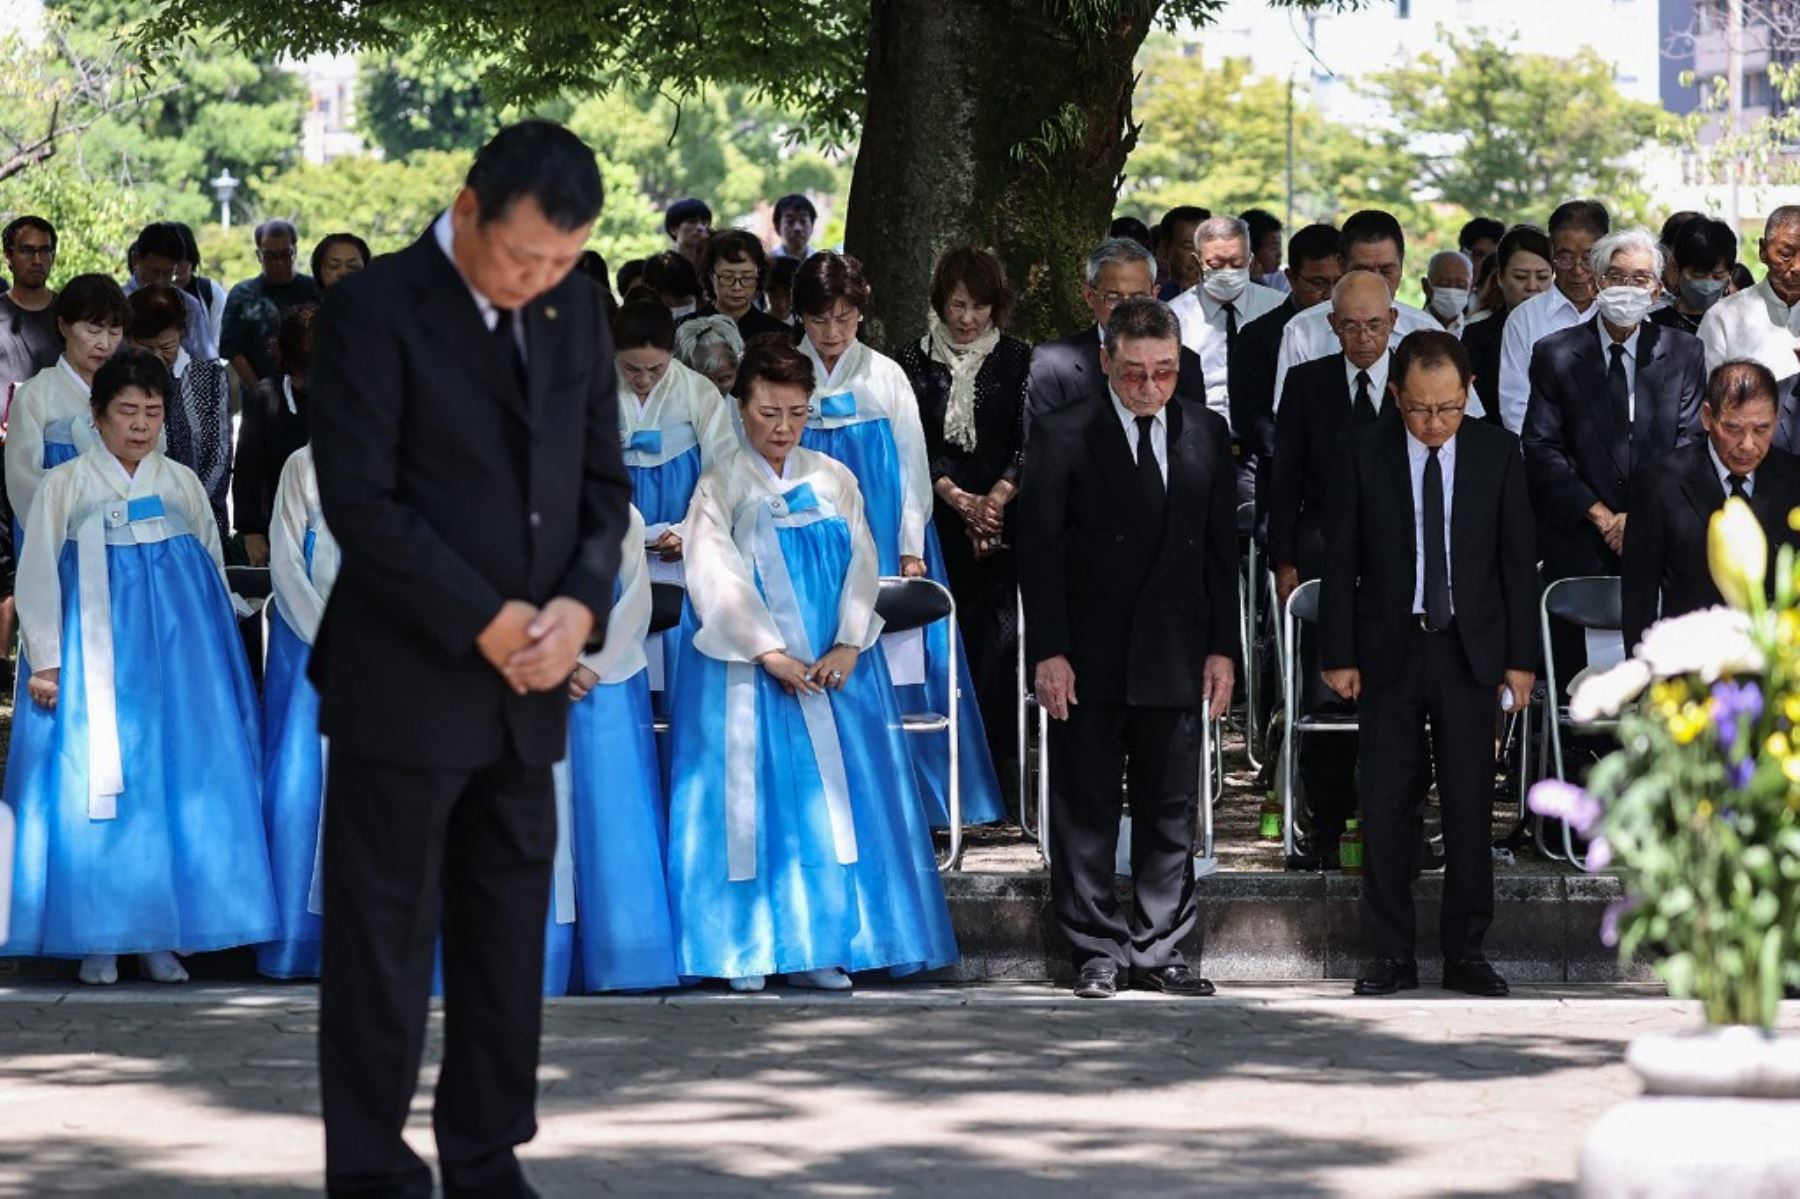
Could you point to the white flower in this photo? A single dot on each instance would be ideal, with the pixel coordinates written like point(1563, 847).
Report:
point(1711, 643)
point(1602, 695)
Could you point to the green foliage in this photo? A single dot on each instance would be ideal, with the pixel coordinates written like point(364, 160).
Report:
point(94, 224)
point(414, 99)
point(1761, 152)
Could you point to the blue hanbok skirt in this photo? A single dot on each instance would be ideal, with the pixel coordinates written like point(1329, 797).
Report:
point(183, 865)
point(293, 794)
point(804, 909)
point(59, 447)
point(868, 450)
point(662, 495)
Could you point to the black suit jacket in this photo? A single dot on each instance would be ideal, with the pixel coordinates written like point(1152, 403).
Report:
point(1575, 450)
point(1136, 606)
point(1068, 369)
point(1366, 606)
point(1315, 417)
point(1482, 342)
point(1665, 540)
point(451, 492)
point(1787, 434)
point(1250, 380)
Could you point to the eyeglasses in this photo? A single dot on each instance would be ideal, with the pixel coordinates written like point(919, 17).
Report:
point(1370, 328)
point(1112, 299)
point(735, 278)
point(1137, 376)
point(1567, 260)
point(275, 255)
point(34, 251)
point(1434, 412)
point(1642, 279)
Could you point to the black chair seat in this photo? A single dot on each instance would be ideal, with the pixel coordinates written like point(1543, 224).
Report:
point(1592, 602)
point(906, 604)
point(251, 582)
point(666, 601)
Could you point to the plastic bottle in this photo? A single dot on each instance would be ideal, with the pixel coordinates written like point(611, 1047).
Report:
point(1268, 822)
point(1350, 849)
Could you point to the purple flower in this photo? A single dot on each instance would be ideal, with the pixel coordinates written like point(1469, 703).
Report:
point(1741, 772)
point(1566, 802)
point(1609, 919)
point(1599, 855)
point(1736, 704)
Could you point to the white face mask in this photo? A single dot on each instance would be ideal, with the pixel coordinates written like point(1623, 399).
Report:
point(1448, 302)
point(1625, 306)
point(1227, 283)
point(682, 310)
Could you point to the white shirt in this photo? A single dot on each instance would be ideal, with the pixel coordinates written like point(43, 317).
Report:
point(1417, 453)
point(1724, 472)
point(1537, 318)
point(1159, 433)
point(1378, 378)
point(1203, 331)
point(1309, 336)
point(1631, 349)
point(287, 394)
point(490, 312)
point(1754, 323)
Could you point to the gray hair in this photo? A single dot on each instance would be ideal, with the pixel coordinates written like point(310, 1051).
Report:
point(708, 339)
point(1141, 318)
point(1223, 228)
point(1456, 254)
point(1117, 251)
point(1787, 214)
point(275, 228)
point(1635, 238)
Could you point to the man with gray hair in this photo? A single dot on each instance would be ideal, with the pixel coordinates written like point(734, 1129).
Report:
point(1763, 322)
point(1067, 369)
point(1128, 568)
point(1607, 396)
point(1449, 278)
point(254, 307)
point(1213, 310)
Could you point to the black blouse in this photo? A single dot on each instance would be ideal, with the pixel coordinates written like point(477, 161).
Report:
point(999, 414)
point(1482, 341)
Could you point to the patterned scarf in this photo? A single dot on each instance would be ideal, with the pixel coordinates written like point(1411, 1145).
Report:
point(964, 362)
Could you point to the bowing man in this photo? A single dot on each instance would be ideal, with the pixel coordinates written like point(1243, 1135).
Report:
point(1128, 563)
point(1429, 625)
point(1666, 572)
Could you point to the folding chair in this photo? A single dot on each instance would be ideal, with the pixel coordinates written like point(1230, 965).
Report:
point(905, 605)
point(1249, 633)
point(253, 583)
point(1302, 609)
point(666, 603)
point(1593, 603)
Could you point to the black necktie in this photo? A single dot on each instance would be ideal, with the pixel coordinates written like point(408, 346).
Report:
point(1364, 407)
point(1437, 561)
point(1149, 476)
point(507, 346)
point(1736, 483)
point(1618, 388)
point(1230, 324)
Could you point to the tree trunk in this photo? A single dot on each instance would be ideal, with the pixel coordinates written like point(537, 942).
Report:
point(997, 124)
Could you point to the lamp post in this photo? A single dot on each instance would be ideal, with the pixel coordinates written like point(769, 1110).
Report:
point(225, 187)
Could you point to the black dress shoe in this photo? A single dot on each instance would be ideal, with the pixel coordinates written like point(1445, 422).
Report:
point(1098, 980)
point(1384, 976)
point(1170, 980)
point(1474, 977)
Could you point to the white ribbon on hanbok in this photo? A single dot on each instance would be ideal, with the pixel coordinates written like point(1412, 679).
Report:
point(315, 891)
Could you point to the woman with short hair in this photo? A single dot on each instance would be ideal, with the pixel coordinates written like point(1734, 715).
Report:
point(198, 415)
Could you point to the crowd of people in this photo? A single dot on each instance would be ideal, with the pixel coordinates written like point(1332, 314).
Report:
point(1434, 467)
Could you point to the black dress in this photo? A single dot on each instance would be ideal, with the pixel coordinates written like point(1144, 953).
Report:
point(1482, 341)
point(986, 590)
point(267, 438)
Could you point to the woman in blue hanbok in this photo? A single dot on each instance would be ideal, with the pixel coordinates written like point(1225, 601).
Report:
point(610, 928)
point(797, 840)
point(303, 564)
point(139, 824)
point(867, 417)
point(672, 424)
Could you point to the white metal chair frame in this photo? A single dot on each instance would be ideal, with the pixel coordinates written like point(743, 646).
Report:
point(926, 722)
point(1556, 710)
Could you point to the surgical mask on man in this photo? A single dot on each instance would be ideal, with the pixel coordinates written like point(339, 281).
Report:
point(1227, 283)
point(1448, 302)
point(1625, 306)
point(1702, 293)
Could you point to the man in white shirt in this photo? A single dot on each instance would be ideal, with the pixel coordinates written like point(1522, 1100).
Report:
point(1223, 302)
point(1763, 322)
point(1449, 276)
point(1574, 228)
point(1371, 241)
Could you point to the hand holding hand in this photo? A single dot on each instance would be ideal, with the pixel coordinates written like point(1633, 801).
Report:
point(42, 687)
point(581, 682)
point(667, 547)
point(791, 673)
point(911, 567)
point(833, 670)
point(506, 634)
point(557, 635)
point(256, 549)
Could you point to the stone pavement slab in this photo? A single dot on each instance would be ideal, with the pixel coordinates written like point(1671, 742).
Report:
point(998, 1090)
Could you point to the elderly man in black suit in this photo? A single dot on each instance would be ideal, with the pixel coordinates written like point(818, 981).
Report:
point(1128, 563)
point(1428, 611)
point(1666, 572)
point(465, 425)
point(1787, 402)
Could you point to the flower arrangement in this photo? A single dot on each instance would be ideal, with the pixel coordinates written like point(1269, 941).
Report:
point(1699, 807)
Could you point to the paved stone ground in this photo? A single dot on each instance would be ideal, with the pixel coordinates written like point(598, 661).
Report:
point(1001, 1091)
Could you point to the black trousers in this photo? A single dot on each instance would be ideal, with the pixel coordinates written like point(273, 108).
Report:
point(1327, 762)
point(1156, 750)
point(1434, 684)
point(410, 851)
point(987, 611)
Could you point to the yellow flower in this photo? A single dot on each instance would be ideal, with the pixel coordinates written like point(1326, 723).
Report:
point(1787, 626)
point(1688, 723)
point(1794, 519)
point(1790, 708)
point(1777, 745)
point(1790, 766)
point(1704, 811)
point(1737, 553)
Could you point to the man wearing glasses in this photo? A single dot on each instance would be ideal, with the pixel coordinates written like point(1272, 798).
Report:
point(1429, 600)
point(1574, 228)
point(254, 307)
point(1763, 322)
point(28, 338)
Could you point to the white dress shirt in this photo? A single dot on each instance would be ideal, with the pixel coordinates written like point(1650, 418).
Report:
point(1203, 331)
point(1631, 349)
point(1754, 323)
point(1417, 453)
point(1724, 472)
point(1159, 433)
point(1378, 379)
point(1535, 319)
point(1309, 336)
point(490, 312)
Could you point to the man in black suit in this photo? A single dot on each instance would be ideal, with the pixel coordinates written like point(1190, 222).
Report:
point(1128, 563)
point(1787, 429)
point(1666, 572)
point(465, 428)
point(1322, 402)
point(1429, 624)
point(1068, 369)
